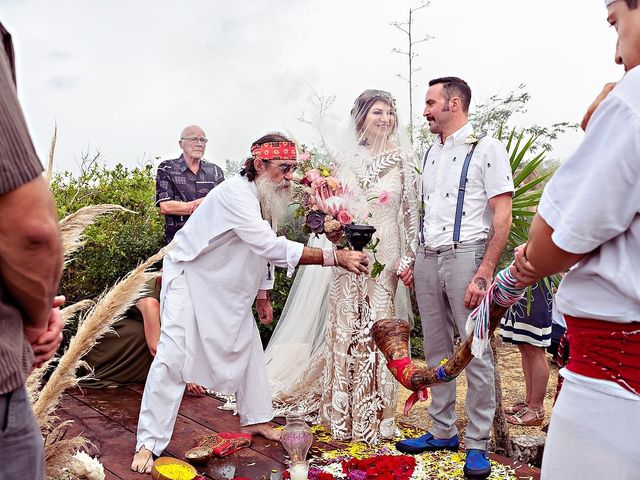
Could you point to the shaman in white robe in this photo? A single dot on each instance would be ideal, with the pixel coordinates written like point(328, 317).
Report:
point(211, 275)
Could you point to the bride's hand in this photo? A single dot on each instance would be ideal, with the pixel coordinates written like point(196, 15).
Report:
point(355, 262)
point(407, 277)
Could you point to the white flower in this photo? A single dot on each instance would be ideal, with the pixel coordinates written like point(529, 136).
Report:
point(472, 139)
point(91, 469)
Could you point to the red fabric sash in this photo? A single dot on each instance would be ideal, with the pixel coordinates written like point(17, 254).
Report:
point(403, 369)
point(605, 351)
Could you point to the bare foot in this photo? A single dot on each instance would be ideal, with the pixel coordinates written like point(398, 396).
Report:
point(195, 389)
point(142, 461)
point(263, 429)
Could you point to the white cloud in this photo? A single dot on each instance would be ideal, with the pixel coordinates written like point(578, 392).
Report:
point(128, 75)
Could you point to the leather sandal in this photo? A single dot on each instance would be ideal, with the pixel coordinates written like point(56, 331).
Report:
point(515, 408)
point(536, 421)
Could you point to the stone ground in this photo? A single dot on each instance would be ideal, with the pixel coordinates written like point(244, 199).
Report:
point(513, 389)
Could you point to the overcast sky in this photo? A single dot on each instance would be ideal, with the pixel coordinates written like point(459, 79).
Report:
point(123, 77)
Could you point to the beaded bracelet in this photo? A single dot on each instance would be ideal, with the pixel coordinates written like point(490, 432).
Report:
point(328, 257)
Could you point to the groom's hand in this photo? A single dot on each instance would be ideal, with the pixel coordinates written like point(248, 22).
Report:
point(355, 262)
point(265, 312)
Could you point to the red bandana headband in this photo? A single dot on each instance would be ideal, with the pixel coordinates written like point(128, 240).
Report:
point(275, 151)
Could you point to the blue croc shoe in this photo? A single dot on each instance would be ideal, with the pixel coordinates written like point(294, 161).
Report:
point(477, 465)
point(427, 443)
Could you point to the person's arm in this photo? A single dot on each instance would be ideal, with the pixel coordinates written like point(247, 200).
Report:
point(150, 309)
point(411, 219)
point(592, 108)
point(31, 252)
point(355, 262)
point(496, 242)
point(166, 196)
point(176, 207)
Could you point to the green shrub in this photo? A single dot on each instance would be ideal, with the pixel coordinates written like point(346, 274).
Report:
point(116, 243)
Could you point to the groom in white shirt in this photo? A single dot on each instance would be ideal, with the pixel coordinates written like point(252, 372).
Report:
point(466, 190)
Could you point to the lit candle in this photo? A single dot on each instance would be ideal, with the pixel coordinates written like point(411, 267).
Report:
point(298, 471)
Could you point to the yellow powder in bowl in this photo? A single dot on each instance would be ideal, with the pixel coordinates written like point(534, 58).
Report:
point(176, 472)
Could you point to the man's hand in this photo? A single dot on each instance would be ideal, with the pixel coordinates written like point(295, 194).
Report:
point(406, 276)
point(265, 311)
point(46, 344)
point(193, 204)
point(522, 270)
point(477, 289)
point(195, 389)
point(355, 262)
point(592, 108)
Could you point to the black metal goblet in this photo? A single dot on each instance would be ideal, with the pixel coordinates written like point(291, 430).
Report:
point(358, 236)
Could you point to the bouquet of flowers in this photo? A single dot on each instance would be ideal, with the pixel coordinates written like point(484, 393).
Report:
point(328, 204)
point(325, 202)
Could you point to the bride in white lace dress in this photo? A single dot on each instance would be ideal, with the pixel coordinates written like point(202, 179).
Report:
point(336, 376)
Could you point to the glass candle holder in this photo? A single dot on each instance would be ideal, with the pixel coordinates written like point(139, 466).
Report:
point(296, 438)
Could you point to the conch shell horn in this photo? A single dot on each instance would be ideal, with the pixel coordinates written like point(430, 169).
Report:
point(392, 338)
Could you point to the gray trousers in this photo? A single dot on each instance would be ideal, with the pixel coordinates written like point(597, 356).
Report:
point(21, 444)
point(441, 277)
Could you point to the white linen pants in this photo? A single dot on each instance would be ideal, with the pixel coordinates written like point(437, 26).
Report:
point(592, 436)
point(441, 280)
point(165, 384)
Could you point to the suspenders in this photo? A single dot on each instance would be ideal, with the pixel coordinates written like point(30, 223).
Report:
point(462, 186)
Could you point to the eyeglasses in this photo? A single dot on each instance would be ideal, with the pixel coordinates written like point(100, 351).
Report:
point(284, 168)
point(196, 139)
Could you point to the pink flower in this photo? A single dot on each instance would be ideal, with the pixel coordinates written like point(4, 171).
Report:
point(318, 183)
point(384, 198)
point(333, 183)
point(344, 217)
point(304, 157)
point(312, 174)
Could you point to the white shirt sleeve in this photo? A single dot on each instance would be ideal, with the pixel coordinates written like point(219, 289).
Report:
point(262, 240)
point(496, 168)
point(595, 194)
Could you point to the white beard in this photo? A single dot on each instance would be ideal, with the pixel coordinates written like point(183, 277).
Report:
point(274, 197)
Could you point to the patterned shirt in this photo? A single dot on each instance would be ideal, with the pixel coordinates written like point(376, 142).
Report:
point(176, 181)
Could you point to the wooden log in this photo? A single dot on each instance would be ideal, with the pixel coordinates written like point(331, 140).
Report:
point(500, 425)
point(528, 448)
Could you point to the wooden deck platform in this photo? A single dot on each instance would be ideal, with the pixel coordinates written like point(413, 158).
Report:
point(108, 417)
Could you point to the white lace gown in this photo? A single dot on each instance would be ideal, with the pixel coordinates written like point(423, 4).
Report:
point(346, 385)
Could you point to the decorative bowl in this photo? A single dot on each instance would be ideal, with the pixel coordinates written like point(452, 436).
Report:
point(162, 461)
point(358, 236)
point(199, 454)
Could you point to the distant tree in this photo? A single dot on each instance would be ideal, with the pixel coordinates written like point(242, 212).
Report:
point(410, 53)
point(231, 167)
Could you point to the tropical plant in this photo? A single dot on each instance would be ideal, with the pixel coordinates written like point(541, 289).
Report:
point(528, 181)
